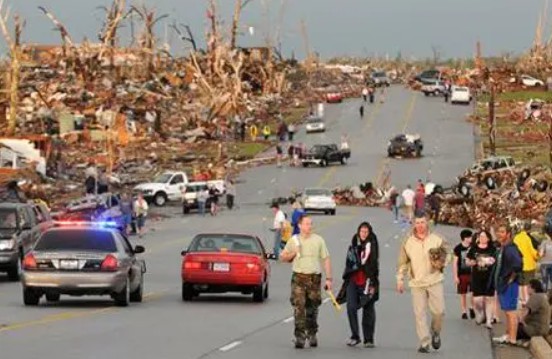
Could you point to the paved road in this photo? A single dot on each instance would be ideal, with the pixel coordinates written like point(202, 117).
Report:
point(234, 327)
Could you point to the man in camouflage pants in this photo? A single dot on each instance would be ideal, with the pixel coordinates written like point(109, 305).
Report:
point(307, 251)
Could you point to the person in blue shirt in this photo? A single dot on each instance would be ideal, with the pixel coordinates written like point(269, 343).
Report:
point(298, 211)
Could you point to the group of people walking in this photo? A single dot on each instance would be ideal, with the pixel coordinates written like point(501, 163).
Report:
point(489, 269)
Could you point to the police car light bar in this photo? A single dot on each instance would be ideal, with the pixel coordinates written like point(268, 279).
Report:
point(105, 224)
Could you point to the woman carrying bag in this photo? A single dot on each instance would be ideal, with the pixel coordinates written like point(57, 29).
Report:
point(361, 284)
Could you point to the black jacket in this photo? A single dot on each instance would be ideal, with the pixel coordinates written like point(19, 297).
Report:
point(370, 268)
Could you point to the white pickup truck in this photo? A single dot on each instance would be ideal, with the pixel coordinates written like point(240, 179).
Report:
point(165, 187)
point(189, 199)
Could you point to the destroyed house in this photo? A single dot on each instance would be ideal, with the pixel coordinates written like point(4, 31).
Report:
point(260, 53)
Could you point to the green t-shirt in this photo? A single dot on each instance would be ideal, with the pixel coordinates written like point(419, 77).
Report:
point(312, 251)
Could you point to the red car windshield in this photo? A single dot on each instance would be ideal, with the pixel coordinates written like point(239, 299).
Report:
point(221, 243)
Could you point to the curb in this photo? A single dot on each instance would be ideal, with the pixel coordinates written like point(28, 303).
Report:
point(540, 348)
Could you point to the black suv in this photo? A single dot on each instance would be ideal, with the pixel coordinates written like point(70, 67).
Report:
point(20, 227)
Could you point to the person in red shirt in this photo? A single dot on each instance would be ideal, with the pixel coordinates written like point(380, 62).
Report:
point(361, 280)
point(419, 202)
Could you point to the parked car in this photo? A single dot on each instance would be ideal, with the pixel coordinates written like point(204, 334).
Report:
point(20, 228)
point(322, 155)
point(527, 80)
point(379, 78)
point(165, 187)
point(493, 163)
point(334, 97)
point(460, 94)
point(435, 88)
point(78, 260)
point(319, 200)
point(405, 145)
point(189, 200)
point(225, 262)
point(315, 124)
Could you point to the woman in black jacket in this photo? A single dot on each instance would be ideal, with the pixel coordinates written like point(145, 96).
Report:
point(361, 278)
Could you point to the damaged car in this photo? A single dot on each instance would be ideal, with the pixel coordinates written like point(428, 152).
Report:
point(405, 145)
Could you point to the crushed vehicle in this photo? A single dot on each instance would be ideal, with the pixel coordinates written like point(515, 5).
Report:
point(315, 124)
point(405, 145)
point(493, 163)
point(189, 199)
point(165, 187)
point(428, 76)
point(322, 155)
point(96, 208)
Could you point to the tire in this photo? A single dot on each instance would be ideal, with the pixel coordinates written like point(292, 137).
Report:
point(122, 299)
point(185, 210)
point(490, 182)
point(435, 93)
point(265, 294)
point(426, 93)
point(52, 297)
point(332, 212)
point(542, 186)
point(14, 273)
point(160, 199)
point(305, 165)
point(30, 297)
point(343, 160)
point(187, 292)
point(138, 294)
point(258, 293)
point(323, 162)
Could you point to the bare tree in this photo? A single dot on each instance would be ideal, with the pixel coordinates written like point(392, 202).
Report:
point(148, 36)
point(14, 76)
point(238, 8)
point(66, 39)
point(186, 38)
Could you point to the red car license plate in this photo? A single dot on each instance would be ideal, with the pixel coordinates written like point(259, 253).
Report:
point(221, 267)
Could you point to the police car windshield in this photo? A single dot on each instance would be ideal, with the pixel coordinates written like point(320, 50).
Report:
point(221, 243)
point(76, 240)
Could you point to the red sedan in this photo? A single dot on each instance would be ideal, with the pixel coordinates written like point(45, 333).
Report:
point(219, 263)
point(334, 97)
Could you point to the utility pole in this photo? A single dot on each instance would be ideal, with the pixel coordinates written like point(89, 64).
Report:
point(492, 118)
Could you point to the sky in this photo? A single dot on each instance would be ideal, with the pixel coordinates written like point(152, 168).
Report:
point(335, 28)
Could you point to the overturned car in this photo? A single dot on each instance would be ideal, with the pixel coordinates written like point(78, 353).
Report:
point(405, 145)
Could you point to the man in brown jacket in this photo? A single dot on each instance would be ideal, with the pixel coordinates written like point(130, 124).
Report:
point(425, 281)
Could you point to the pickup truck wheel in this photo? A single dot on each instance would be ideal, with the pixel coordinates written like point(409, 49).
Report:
point(426, 93)
point(305, 164)
point(160, 199)
point(323, 162)
point(436, 93)
point(343, 160)
point(332, 212)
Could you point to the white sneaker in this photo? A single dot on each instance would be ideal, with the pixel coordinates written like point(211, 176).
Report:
point(501, 340)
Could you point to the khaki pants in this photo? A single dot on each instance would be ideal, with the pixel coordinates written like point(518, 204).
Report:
point(434, 298)
point(409, 212)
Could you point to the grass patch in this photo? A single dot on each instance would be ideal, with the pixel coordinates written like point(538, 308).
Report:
point(246, 150)
point(522, 96)
point(295, 115)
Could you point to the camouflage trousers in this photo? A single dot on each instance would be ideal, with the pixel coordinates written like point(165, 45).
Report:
point(306, 297)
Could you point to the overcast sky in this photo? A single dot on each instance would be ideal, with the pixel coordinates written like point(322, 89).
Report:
point(335, 27)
